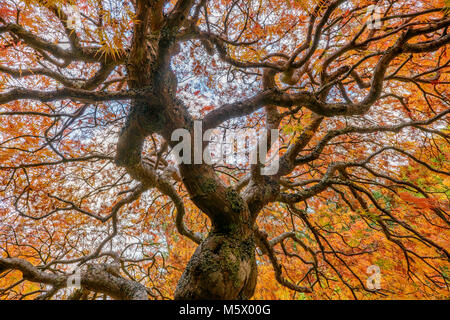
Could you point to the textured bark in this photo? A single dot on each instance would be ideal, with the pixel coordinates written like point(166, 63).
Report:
point(96, 277)
point(222, 267)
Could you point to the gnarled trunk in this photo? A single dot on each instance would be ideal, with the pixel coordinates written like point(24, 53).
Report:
point(222, 267)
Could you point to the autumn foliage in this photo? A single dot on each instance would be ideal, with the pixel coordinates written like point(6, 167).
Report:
point(364, 143)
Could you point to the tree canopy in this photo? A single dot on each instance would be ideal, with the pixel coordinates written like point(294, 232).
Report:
point(92, 90)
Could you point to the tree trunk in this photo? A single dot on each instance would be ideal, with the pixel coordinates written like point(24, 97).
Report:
point(222, 267)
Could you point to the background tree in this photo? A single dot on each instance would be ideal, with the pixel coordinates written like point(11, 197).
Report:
point(88, 180)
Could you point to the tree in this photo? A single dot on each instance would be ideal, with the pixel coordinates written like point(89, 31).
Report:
point(92, 91)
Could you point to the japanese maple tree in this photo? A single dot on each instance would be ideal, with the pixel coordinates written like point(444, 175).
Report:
point(91, 92)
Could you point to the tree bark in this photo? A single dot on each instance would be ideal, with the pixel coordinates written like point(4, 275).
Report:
point(222, 267)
